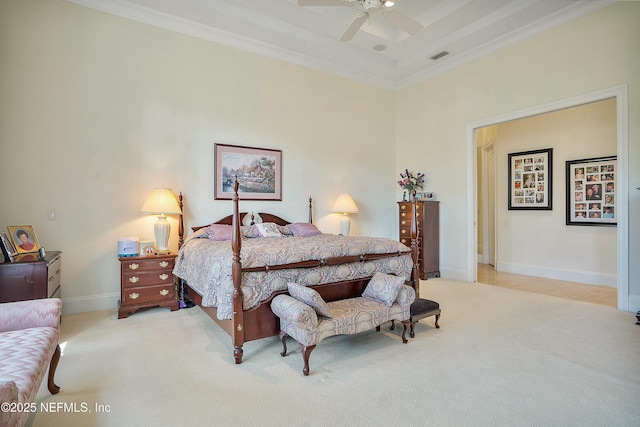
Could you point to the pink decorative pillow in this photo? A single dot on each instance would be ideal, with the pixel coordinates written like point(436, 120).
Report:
point(304, 229)
point(219, 232)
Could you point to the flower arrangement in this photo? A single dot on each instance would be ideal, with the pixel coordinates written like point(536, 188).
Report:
point(411, 181)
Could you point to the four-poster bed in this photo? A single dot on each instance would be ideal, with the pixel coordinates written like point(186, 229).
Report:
point(248, 315)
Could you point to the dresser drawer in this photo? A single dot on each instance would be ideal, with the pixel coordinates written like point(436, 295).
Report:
point(53, 279)
point(143, 278)
point(149, 294)
point(147, 264)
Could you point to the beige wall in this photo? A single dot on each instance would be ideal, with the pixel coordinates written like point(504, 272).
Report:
point(539, 243)
point(97, 110)
point(599, 51)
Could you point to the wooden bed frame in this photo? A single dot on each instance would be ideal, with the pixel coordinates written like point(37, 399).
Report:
point(260, 322)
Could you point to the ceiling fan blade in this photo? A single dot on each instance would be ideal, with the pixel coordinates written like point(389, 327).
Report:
point(406, 24)
point(354, 27)
point(324, 2)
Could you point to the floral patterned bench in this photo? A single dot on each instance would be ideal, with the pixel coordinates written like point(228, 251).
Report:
point(307, 318)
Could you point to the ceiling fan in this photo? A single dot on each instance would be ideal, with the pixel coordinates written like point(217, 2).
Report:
point(399, 19)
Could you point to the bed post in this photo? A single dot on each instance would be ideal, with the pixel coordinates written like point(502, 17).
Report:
point(415, 276)
point(180, 223)
point(236, 273)
point(310, 212)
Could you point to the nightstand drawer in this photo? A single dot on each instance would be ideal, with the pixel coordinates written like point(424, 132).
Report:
point(143, 278)
point(146, 264)
point(149, 294)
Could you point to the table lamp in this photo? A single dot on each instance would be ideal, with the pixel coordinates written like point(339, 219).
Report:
point(345, 205)
point(161, 202)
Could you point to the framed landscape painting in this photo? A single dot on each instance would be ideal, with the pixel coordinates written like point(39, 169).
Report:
point(530, 178)
point(258, 170)
point(591, 191)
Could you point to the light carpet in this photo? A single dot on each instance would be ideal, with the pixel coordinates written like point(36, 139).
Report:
point(501, 357)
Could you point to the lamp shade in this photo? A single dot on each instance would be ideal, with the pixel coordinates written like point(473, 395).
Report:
point(161, 201)
point(345, 205)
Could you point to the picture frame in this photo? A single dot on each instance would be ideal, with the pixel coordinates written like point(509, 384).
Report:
point(23, 238)
point(530, 180)
point(591, 191)
point(7, 248)
point(259, 172)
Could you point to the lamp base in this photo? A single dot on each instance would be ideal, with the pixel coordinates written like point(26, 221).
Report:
point(345, 224)
point(162, 229)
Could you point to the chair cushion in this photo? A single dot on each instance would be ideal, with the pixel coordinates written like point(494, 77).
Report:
point(310, 297)
point(384, 288)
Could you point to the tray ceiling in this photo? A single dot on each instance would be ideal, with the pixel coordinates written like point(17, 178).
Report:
point(380, 53)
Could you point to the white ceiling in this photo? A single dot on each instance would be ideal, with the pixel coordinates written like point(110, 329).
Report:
point(308, 35)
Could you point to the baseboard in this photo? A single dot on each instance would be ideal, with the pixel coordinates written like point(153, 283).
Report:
point(588, 277)
point(90, 303)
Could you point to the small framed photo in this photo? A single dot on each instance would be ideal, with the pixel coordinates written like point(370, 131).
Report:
point(530, 178)
point(258, 170)
point(24, 238)
point(591, 191)
point(7, 248)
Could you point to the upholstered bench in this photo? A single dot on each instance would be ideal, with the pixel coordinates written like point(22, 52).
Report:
point(29, 332)
point(307, 318)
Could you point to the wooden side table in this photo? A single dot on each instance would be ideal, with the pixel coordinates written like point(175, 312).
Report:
point(31, 277)
point(147, 281)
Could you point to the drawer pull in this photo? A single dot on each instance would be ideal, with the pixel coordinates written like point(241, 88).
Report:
point(134, 279)
point(134, 295)
point(51, 279)
point(134, 266)
point(164, 292)
point(163, 264)
point(164, 276)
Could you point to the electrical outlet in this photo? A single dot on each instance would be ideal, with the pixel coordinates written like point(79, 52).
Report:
point(51, 214)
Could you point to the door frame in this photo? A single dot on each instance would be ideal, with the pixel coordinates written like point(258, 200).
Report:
point(620, 93)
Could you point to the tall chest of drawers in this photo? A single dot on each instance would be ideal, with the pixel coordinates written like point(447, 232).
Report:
point(428, 221)
point(147, 282)
point(30, 277)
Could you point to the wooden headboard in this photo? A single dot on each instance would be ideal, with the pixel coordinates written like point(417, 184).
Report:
point(266, 217)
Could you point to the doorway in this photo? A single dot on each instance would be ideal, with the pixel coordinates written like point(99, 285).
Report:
point(473, 224)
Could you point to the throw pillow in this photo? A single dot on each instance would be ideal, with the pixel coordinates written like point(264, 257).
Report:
point(219, 232)
point(384, 288)
point(268, 229)
point(311, 298)
point(249, 231)
point(304, 229)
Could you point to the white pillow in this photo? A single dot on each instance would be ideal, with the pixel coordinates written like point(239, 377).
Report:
point(268, 229)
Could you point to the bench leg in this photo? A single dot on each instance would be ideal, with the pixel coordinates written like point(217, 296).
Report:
point(437, 318)
point(306, 352)
point(405, 325)
point(283, 338)
point(412, 334)
point(53, 388)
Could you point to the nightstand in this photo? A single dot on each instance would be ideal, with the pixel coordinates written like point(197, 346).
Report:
point(30, 277)
point(147, 281)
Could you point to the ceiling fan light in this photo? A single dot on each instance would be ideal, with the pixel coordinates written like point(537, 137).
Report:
point(388, 3)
